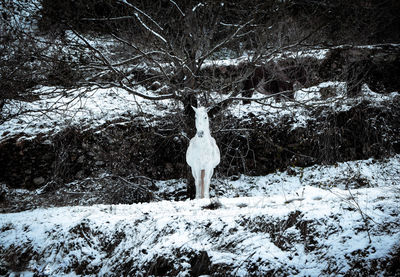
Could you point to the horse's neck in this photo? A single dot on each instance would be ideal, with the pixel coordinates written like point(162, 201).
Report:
point(204, 140)
point(203, 133)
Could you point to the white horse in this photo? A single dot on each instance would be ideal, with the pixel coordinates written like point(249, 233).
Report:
point(202, 154)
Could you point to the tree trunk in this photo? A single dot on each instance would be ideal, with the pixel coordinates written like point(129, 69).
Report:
point(189, 100)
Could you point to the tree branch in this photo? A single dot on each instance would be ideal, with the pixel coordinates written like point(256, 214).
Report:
point(157, 35)
point(121, 83)
point(173, 2)
point(225, 41)
point(140, 11)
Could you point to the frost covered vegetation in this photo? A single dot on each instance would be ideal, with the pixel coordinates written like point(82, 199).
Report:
point(95, 119)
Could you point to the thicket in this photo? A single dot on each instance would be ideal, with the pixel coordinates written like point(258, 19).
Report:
point(57, 61)
point(340, 21)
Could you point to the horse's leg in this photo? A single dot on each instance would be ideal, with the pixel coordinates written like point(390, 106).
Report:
point(207, 180)
point(196, 182)
point(203, 173)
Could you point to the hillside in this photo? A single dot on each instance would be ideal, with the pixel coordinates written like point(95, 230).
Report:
point(96, 116)
point(323, 220)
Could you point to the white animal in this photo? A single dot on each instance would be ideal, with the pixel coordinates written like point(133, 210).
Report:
point(202, 154)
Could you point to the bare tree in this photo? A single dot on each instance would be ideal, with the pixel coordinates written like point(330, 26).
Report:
point(173, 49)
point(177, 48)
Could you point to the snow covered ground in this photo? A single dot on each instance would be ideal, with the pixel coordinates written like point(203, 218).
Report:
point(318, 221)
point(86, 107)
point(92, 107)
point(336, 220)
point(305, 101)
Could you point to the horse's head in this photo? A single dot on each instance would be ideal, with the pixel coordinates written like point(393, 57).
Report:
point(202, 124)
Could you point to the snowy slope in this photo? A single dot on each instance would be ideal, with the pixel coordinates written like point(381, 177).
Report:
point(293, 223)
point(306, 100)
point(319, 221)
point(57, 109)
point(87, 107)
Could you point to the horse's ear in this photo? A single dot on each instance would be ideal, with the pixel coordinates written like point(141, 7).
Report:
point(195, 110)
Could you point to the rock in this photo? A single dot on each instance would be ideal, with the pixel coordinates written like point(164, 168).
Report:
point(169, 168)
point(80, 174)
point(38, 181)
point(200, 264)
point(47, 141)
point(81, 159)
point(156, 85)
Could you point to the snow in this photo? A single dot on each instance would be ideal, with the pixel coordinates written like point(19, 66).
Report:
point(91, 107)
point(319, 54)
point(305, 221)
point(85, 107)
point(249, 234)
point(197, 6)
point(300, 109)
point(20, 14)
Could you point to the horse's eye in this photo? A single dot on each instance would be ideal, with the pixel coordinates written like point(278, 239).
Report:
point(205, 117)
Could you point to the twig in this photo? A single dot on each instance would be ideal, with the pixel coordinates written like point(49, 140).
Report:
point(140, 187)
